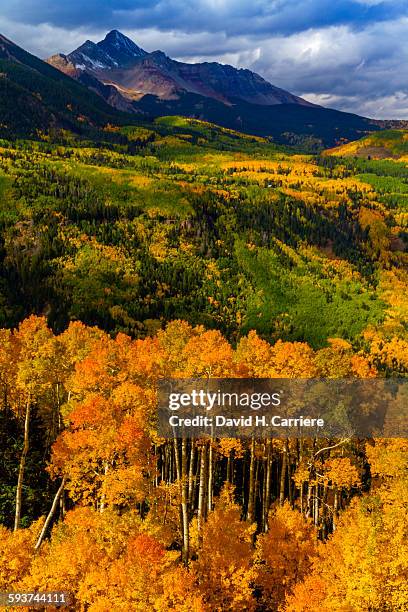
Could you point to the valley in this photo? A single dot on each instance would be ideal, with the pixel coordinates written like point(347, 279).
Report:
point(203, 224)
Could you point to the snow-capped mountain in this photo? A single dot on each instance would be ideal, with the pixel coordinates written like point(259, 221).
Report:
point(117, 61)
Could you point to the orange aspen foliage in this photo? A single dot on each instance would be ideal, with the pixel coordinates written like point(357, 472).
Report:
point(16, 554)
point(283, 555)
point(207, 354)
point(254, 355)
point(292, 360)
point(341, 473)
point(338, 360)
point(223, 569)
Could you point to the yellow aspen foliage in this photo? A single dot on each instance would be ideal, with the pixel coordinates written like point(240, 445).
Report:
point(223, 569)
point(364, 564)
point(283, 555)
point(207, 354)
point(16, 554)
point(227, 446)
point(254, 355)
point(172, 341)
point(388, 458)
point(338, 360)
point(144, 577)
point(341, 473)
point(389, 351)
point(292, 360)
point(345, 567)
point(163, 519)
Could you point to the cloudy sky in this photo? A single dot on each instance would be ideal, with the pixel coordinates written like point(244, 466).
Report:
point(346, 54)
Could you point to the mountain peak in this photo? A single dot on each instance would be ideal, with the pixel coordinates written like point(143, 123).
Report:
point(88, 45)
point(120, 47)
point(115, 35)
point(115, 51)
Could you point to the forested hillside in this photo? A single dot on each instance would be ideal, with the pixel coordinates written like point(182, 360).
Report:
point(181, 249)
point(385, 144)
point(194, 222)
point(36, 97)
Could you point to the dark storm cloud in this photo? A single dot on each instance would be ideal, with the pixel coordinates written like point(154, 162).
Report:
point(231, 16)
point(70, 13)
point(348, 54)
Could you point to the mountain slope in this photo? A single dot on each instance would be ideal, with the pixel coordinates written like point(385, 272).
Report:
point(118, 61)
point(36, 96)
point(308, 127)
point(131, 79)
point(382, 145)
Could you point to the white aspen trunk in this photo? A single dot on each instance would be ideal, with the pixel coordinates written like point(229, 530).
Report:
point(50, 514)
point(283, 474)
point(184, 501)
point(20, 481)
point(210, 476)
point(251, 492)
point(201, 490)
point(268, 484)
point(191, 474)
